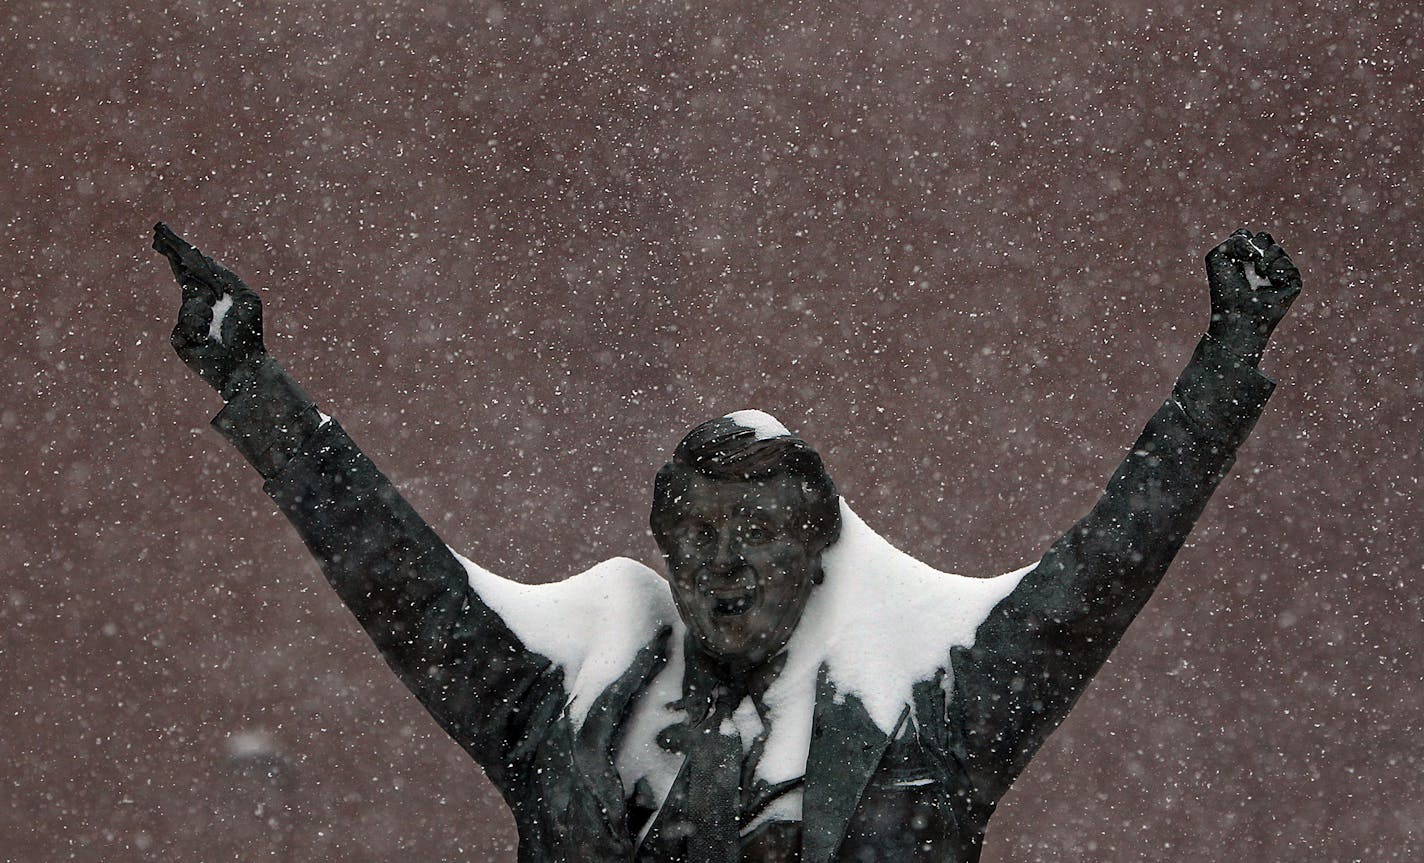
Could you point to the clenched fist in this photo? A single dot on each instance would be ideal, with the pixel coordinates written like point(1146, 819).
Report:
point(1253, 283)
point(219, 329)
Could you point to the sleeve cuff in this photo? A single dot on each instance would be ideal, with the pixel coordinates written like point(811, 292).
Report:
point(268, 418)
point(1221, 394)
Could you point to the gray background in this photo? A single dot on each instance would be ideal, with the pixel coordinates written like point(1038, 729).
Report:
point(520, 249)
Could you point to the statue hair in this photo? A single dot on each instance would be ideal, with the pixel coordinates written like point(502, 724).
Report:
point(724, 450)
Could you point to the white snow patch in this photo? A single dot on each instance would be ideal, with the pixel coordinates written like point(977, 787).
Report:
point(250, 744)
point(1248, 269)
point(591, 625)
point(880, 623)
point(640, 756)
point(747, 723)
point(1253, 278)
point(220, 309)
point(762, 423)
point(787, 807)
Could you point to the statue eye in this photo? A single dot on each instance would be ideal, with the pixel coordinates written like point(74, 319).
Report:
point(699, 535)
point(757, 533)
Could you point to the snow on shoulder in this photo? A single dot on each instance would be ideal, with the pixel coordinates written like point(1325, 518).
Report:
point(881, 622)
point(591, 625)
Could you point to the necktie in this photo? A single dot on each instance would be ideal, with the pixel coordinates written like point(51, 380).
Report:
point(714, 771)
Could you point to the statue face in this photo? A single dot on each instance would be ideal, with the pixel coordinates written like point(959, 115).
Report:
point(740, 573)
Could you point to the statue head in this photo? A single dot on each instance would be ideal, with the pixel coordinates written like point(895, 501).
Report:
point(742, 514)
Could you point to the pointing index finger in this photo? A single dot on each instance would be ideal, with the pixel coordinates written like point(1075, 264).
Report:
point(197, 274)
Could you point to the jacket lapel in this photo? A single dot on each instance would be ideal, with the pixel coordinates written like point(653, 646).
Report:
point(846, 747)
point(601, 789)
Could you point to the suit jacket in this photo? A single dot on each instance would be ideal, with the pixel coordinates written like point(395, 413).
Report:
point(554, 728)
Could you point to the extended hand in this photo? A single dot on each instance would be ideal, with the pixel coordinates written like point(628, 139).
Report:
point(1253, 283)
point(219, 329)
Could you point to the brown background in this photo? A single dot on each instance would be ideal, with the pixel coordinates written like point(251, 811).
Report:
point(518, 250)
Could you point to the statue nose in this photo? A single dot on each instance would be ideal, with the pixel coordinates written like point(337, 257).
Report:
point(727, 557)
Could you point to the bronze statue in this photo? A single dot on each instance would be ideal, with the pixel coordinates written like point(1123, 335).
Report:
point(796, 689)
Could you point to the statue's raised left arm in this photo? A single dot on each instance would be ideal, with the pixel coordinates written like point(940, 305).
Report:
point(1038, 649)
point(400, 580)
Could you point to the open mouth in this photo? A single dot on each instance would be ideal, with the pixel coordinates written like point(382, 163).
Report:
point(730, 606)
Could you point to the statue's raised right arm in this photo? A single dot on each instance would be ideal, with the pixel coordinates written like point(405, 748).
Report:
point(403, 583)
point(1036, 652)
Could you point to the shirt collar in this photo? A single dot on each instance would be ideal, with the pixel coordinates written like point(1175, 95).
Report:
point(704, 680)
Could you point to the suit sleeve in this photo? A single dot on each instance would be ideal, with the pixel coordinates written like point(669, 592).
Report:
point(1038, 649)
point(405, 587)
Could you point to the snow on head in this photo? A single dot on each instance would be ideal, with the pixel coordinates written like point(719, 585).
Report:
point(763, 425)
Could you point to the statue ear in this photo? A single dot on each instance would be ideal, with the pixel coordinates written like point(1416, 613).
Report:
point(818, 574)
